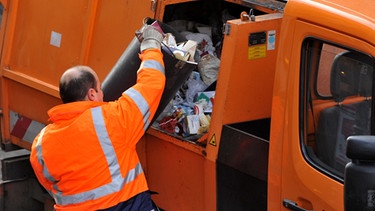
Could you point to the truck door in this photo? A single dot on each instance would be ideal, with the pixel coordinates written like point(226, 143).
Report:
point(325, 97)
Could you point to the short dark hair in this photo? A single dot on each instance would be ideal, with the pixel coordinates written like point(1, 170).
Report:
point(76, 88)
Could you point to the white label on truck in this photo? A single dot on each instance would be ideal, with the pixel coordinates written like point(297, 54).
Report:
point(271, 40)
point(55, 39)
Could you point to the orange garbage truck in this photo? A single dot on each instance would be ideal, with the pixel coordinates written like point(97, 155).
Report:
point(276, 115)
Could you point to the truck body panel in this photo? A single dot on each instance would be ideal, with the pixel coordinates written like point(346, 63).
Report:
point(32, 67)
point(275, 86)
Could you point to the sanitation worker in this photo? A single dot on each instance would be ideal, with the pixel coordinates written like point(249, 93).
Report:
point(86, 158)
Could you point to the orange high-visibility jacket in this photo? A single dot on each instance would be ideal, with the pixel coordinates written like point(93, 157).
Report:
point(86, 159)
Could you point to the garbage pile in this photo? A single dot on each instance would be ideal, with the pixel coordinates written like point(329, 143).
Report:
point(188, 114)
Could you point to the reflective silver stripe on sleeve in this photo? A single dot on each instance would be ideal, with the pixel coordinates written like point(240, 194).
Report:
point(142, 105)
point(118, 181)
point(153, 64)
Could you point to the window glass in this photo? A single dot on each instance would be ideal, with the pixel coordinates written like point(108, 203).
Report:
point(1, 13)
point(328, 54)
point(337, 98)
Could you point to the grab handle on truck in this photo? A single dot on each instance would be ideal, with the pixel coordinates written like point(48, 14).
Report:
point(289, 204)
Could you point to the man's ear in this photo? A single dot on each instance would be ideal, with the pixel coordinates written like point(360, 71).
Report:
point(91, 94)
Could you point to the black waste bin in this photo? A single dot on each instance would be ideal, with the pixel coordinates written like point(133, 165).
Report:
point(124, 74)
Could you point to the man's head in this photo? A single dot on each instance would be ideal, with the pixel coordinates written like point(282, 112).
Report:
point(80, 83)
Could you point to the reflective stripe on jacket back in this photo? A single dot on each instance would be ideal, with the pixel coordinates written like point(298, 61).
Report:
point(117, 180)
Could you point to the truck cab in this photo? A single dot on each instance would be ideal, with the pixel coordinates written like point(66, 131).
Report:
point(322, 95)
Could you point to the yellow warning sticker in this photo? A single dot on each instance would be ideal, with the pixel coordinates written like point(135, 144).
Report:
point(213, 140)
point(257, 52)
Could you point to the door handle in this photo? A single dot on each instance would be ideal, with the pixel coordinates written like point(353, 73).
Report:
point(153, 5)
point(289, 204)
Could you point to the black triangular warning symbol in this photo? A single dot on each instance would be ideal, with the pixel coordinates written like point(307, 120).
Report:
point(213, 140)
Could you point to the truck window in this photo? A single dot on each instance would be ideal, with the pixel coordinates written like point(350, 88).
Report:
point(1, 13)
point(337, 97)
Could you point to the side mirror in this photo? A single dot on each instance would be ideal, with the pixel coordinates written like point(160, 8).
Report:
point(359, 179)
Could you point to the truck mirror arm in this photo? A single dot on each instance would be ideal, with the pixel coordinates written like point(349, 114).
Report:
point(359, 173)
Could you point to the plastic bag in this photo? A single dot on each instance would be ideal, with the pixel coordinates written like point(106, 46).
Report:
point(209, 68)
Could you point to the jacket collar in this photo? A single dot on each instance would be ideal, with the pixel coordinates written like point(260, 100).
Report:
point(70, 110)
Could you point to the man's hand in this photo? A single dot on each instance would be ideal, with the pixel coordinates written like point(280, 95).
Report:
point(150, 38)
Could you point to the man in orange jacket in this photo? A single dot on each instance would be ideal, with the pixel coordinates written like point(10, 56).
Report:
point(86, 158)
